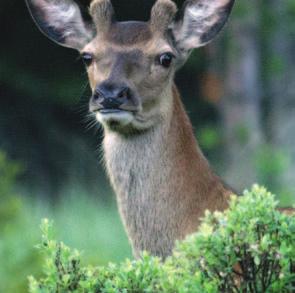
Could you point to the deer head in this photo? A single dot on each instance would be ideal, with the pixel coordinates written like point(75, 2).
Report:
point(131, 65)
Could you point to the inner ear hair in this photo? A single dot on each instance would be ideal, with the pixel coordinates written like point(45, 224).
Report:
point(199, 22)
point(162, 15)
point(103, 15)
point(62, 22)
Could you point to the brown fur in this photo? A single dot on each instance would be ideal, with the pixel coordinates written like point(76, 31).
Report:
point(163, 182)
point(129, 33)
point(102, 14)
point(288, 211)
point(162, 15)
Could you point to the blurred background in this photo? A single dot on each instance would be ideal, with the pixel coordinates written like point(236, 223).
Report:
point(239, 93)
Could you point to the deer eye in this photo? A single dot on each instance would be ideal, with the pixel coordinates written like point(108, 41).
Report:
point(166, 59)
point(87, 58)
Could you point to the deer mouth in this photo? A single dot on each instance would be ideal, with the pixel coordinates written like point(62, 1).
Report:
point(110, 111)
point(114, 117)
point(113, 111)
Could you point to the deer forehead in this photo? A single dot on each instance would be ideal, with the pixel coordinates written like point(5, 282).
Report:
point(132, 38)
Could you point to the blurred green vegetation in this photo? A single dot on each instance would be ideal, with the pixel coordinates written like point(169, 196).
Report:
point(87, 223)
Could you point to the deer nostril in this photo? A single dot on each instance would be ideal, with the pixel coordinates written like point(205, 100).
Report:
point(124, 93)
point(97, 95)
point(113, 92)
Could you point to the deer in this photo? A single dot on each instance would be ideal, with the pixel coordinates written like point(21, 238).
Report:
point(162, 181)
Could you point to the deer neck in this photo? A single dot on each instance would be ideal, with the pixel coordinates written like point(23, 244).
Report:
point(162, 181)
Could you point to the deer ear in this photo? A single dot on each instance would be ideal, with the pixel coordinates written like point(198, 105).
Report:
point(62, 22)
point(199, 22)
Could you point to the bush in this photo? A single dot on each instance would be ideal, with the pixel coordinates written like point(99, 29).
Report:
point(248, 248)
point(19, 218)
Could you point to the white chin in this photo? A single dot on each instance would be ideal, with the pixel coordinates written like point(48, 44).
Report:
point(123, 118)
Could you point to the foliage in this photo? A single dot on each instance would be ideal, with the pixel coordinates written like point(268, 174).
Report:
point(64, 272)
point(10, 204)
point(100, 234)
point(15, 252)
point(19, 218)
point(209, 138)
point(248, 248)
point(271, 163)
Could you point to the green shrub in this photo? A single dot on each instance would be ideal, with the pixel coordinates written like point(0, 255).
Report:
point(19, 218)
point(248, 248)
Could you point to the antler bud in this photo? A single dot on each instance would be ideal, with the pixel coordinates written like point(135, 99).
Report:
point(162, 15)
point(102, 13)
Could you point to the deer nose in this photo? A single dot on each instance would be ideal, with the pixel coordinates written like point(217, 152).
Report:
point(111, 97)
